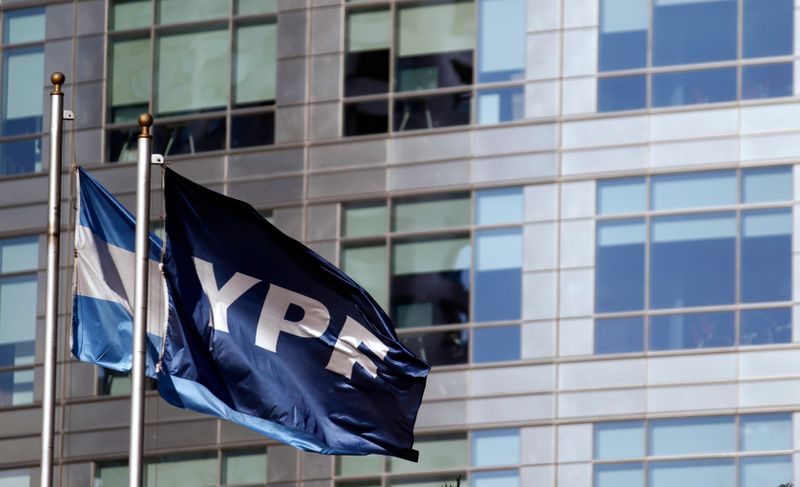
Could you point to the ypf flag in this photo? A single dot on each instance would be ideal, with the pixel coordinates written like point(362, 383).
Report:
point(102, 319)
point(266, 333)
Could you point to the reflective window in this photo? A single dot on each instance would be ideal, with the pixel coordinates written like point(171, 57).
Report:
point(496, 344)
point(430, 281)
point(766, 255)
point(364, 219)
point(427, 112)
point(619, 475)
point(767, 28)
point(495, 447)
point(758, 471)
point(366, 265)
point(623, 34)
point(693, 87)
point(368, 46)
point(691, 436)
point(619, 335)
point(501, 105)
point(624, 439)
point(443, 452)
point(694, 259)
point(503, 478)
point(682, 35)
point(21, 105)
point(695, 330)
point(501, 40)
point(692, 473)
point(498, 206)
point(431, 213)
point(498, 275)
point(236, 59)
point(764, 432)
point(621, 93)
point(359, 466)
point(244, 467)
point(620, 265)
point(439, 348)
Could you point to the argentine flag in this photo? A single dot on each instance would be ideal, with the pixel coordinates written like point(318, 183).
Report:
point(102, 320)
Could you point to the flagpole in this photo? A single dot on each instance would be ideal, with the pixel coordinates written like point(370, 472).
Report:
point(145, 147)
point(53, 248)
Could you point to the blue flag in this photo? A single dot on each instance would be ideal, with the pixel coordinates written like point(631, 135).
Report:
point(266, 333)
point(102, 319)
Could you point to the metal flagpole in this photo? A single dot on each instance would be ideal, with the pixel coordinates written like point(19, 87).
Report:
point(53, 247)
point(145, 146)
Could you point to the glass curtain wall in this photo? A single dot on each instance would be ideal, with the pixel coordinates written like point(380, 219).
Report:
point(206, 69)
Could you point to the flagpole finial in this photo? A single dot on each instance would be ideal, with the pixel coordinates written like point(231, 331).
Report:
point(57, 78)
point(145, 122)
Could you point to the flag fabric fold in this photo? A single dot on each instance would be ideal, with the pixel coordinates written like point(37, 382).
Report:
point(267, 334)
point(102, 319)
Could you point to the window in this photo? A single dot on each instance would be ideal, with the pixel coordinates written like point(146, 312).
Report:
point(413, 66)
point(756, 448)
point(238, 467)
point(113, 383)
point(19, 261)
point(207, 105)
point(21, 477)
point(494, 453)
point(706, 247)
point(683, 36)
point(22, 100)
point(415, 257)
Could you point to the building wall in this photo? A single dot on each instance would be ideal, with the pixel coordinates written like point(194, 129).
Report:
point(557, 153)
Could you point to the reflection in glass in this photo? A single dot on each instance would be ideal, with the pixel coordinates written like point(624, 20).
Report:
point(22, 99)
point(189, 137)
point(19, 254)
point(16, 388)
point(620, 265)
point(619, 335)
point(767, 81)
point(255, 64)
point(619, 439)
point(693, 87)
point(693, 260)
point(762, 432)
point(366, 264)
point(690, 436)
point(692, 473)
point(501, 105)
point(244, 467)
point(23, 25)
point(767, 28)
point(495, 447)
point(616, 196)
point(622, 475)
point(366, 117)
point(498, 276)
point(621, 93)
point(364, 219)
point(441, 348)
point(130, 78)
point(766, 184)
point(434, 45)
point(21, 156)
point(430, 281)
point(501, 40)
point(17, 320)
point(761, 471)
point(131, 14)
point(695, 330)
point(253, 129)
point(765, 326)
point(496, 344)
point(498, 206)
point(172, 11)
point(766, 255)
point(693, 190)
point(503, 478)
point(431, 213)
point(183, 59)
point(438, 452)
point(368, 45)
point(623, 34)
point(696, 31)
point(432, 111)
point(122, 144)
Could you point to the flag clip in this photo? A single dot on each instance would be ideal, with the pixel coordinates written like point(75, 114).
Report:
point(68, 115)
point(157, 159)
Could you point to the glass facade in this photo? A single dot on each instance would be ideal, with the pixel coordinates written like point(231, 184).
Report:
point(657, 53)
point(598, 292)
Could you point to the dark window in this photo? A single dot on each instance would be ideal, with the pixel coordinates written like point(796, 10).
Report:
point(432, 111)
point(367, 117)
point(621, 93)
point(250, 130)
